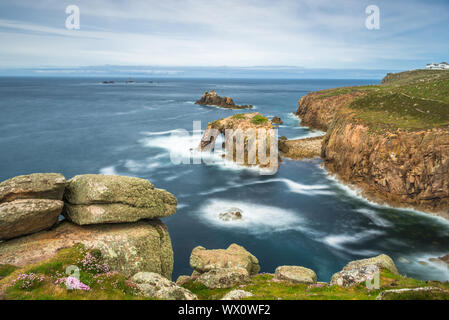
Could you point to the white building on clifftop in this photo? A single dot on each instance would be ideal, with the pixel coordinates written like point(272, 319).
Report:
point(438, 66)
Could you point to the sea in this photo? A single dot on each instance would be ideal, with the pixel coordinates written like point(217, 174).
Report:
point(301, 215)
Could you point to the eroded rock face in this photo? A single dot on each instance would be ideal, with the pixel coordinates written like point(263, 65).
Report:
point(202, 260)
point(153, 285)
point(277, 120)
point(300, 148)
point(127, 248)
point(224, 278)
point(213, 99)
point(33, 186)
point(295, 274)
point(237, 295)
point(360, 271)
point(21, 217)
point(96, 199)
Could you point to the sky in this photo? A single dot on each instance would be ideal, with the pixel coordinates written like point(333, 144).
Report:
point(328, 34)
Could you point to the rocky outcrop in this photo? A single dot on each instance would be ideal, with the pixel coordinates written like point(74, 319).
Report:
point(223, 277)
point(127, 248)
point(300, 148)
point(295, 274)
point(317, 109)
point(237, 295)
point(21, 217)
point(404, 168)
point(33, 186)
point(276, 120)
point(360, 271)
point(30, 203)
point(213, 99)
point(202, 260)
point(153, 285)
point(95, 199)
point(249, 139)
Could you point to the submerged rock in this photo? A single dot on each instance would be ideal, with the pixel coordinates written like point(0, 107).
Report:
point(33, 186)
point(202, 260)
point(237, 295)
point(25, 216)
point(224, 277)
point(295, 274)
point(213, 99)
point(231, 214)
point(96, 199)
point(153, 285)
point(127, 248)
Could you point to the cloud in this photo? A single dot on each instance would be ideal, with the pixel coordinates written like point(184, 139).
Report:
point(310, 33)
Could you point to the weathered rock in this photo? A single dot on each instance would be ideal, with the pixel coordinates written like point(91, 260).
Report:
point(237, 295)
point(21, 217)
point(360, 271)
point(423, 293)
point(96, 199)
point(295, 274)
point(202, 260)
point(277, 120)
point(213, 99)
point(153, 285)
point(183, 280)
point(126, 248)
point(231, 214)
point(300, 148)
point(33, 186)
point(224, 278)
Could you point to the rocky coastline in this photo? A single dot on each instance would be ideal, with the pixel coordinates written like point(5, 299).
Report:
point(391, 150)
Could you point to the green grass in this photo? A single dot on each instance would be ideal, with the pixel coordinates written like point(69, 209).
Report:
point(259, 119)
point(263, 287)
point(413, 100)
point(6, 270)
point(238, 116)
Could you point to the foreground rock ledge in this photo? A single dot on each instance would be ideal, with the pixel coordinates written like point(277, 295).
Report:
point(96, 199)
point(126, 248)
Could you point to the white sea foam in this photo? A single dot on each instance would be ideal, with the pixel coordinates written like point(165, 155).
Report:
point(374, 217)
point(256, 218)
point(108, 170)
point(339, 241)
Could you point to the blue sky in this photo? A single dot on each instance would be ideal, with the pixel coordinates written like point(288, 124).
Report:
point(301, 33)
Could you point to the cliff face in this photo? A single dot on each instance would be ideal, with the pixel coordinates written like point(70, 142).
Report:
point(317, 109)
point(406, 167)
point(402, 168)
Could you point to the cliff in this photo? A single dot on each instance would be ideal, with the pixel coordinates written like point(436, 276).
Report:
point(213, 99)
point(391, 140)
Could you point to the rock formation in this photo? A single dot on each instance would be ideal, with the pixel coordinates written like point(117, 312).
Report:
point(30, 203)
point(295, 274)
point(249, 139)
point(116, 215)
point(231, 214)
point(237, 295)
point(360, 271)
point(213, 99)
point(94, 199)
point(276, 120)
point(300, 148)
point(153, 285)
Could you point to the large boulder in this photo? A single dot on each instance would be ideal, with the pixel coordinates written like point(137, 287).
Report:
point(33, 186)
point(96, 199)
point(153, 285)
point(224, 278)
point(360, 271)
point(21, 217)
point(202, 260)
point(127, 248)
point(295, 274)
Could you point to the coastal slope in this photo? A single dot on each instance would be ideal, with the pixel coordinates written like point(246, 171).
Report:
point(389, 140)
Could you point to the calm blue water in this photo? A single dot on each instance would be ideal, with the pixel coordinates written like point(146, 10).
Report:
point(300, 216)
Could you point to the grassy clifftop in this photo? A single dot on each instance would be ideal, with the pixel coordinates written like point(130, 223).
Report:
point(412, 100)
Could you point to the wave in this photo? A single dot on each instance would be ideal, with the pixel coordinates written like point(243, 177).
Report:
point(339, 241)
point(256, 218)
point(374, 217)
point(108, 170)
